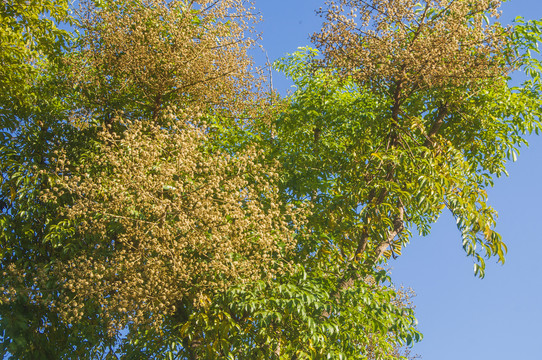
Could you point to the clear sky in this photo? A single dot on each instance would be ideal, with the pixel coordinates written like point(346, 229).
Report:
point(462, 317)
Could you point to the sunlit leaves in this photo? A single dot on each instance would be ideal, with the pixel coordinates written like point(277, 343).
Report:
point(148, 182)
point(397, 144)
point(30, 40)
point(297, 316)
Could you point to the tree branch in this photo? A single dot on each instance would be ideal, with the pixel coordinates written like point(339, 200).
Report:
point(398, 227)
point(435, 128)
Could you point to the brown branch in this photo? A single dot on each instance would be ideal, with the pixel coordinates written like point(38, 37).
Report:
point(362, 244)
point(398, 227)
point(435, 128)
point(317, 131)
point(156, 107)
point(397, 101)
point(351, 273)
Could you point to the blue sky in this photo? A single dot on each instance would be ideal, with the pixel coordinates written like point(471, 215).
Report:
point(462, 317)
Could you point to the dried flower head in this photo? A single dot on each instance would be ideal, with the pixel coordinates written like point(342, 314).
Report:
point(161, 219)
point(420, 44)
point(142, 56)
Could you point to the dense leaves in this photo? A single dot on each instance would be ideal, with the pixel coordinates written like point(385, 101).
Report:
point(30, 40)
point(424, 117)
point(157, 202)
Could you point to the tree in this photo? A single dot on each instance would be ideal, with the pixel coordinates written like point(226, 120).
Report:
point(409, 112)
point(159, 202)
point(419, 117)
point(155, 86)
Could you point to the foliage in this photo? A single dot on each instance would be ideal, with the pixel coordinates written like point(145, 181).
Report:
point(295, 317)
point(139, 57)
point(156, 202)
point(29, 39)
point(71, 127)
point(413, 123)
point(168, 222)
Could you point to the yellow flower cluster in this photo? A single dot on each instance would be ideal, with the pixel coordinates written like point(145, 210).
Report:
point(160, 219)
point(427, 44)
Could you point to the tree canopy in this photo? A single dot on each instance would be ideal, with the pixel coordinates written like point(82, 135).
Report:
point(158, 201)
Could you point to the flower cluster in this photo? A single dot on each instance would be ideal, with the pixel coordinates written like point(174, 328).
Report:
point(162, 219)
point(427, 44)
